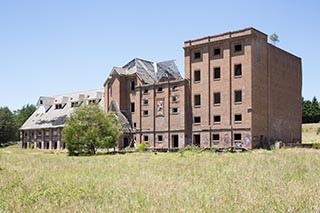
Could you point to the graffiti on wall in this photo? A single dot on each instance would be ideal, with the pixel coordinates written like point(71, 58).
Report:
point(160, 110)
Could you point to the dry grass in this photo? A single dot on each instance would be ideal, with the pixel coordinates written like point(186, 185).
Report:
point(259, 181)
point(309, 133)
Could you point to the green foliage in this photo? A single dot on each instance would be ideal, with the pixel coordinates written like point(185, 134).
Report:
point(89, 128)
point(8, 128)
point(318, 131)
point(142, 146)
point(310, 111)
point(274, 38)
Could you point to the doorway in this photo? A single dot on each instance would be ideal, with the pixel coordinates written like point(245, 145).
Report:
point(175, 141)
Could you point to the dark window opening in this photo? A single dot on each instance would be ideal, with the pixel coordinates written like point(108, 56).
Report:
point(175, 110)
point(216, 137)
point(217, 119)
point(197, 100)
point(196, 140)
point(160, 89)
point(146, 138)
point(197, 55)
point(174, 98)
point(237, 117)
point(59, 106)
point(132, 85)
point(238, 48)
point(145, 91)
point(145, 102)
point(41, 102)
point(174, 87)
point(216, 98)
point(197, 76)
point(132, 107)
point(237, 70)
point(216, 73)
point(238, 96)
point(197, 119)
point(160, 138)
point(216, 51)
point(134, 124)
point(175, 141)
point(237, 137)
point(145, 112)
point(126, 142)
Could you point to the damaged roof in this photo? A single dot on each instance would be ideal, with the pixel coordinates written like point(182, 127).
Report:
point(149, 72)
point(52, 112)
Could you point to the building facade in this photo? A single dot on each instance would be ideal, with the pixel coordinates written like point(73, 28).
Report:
point(245, 92)
point(43, 129)
point(238, 91)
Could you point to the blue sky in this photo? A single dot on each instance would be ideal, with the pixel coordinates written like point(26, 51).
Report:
point(50, 47)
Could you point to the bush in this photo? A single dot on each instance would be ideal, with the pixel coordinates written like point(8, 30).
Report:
point(89, 128)
point(142, 146)
point(318, 131)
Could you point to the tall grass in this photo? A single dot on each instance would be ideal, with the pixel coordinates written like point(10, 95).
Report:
point(258, 181)
point(310, 133)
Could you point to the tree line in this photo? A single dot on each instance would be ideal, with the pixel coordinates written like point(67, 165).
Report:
point(310, 111)
point(10, 122)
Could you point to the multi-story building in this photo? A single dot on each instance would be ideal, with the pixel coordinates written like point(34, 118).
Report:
point(238, 90)
point(154, 98)
point(244, 91)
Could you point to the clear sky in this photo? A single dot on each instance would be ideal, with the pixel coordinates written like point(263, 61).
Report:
point(50, 47)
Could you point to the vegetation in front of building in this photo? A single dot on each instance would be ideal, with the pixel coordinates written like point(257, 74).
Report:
point(10, 122)
point(285, 180)
point(89, 129)
point(310, 111)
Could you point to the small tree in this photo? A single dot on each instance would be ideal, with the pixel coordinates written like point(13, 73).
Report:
point(8, 128)
point(274, 38)
point(89, 128)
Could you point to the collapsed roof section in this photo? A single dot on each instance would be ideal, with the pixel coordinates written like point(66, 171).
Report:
point(149, 72)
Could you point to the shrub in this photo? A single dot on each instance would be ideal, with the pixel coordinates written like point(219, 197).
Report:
point(318, 131)
point(89, 128)
point(142, 146)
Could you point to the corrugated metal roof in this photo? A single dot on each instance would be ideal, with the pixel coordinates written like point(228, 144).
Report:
point(52, 112)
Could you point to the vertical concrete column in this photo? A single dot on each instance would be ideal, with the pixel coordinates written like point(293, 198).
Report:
point(59, 139)
point(43, 132)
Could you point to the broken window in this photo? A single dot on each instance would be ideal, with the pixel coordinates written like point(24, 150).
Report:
point(160, 138)
point(132, 85)
point(237, 117)
point(197, 100)
point(237, 47)
point(216, 73)
point(238, 96)
point(132, 107)
point(216, 98)
point(197, 119)
point(197, 55)
point(216, 51)
point(216, 138)
point(237, 70)
point(217, 119)
point(146, 138)
point(197, 76)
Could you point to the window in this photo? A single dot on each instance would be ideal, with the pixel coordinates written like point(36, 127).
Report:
point(237, 118)
point(39, 133)
point(237, 70)
point(59, 106)
point(197, 119)
point(160, 138)
point(216, 138)
point(216, 98)
point(216, 73)
point(132, 107)
point(196, 140)
point(175, 110)
point(174, 98)
point(145, 112)
point(197, 76)
point(145, 91)
point(237, 47)
point(47, 133)
point(217, 119)
point(160, 89)
point(197, 55)
point(145, 102)
point(146, 138)
point(25, 134)
point(216, 51)
point(41, 102)
point(134, 125)
point(132, 85)
point(55, 132)
point(237, 137)
point(238, 96)
point(197, 100)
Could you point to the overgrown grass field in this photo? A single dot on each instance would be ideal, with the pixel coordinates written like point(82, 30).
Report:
point(257, 181)
point(311, 133)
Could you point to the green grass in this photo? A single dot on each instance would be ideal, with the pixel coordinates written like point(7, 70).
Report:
point(259, 181)
point(309, 133)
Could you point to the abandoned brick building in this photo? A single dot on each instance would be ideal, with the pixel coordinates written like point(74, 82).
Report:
point(238, 90)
